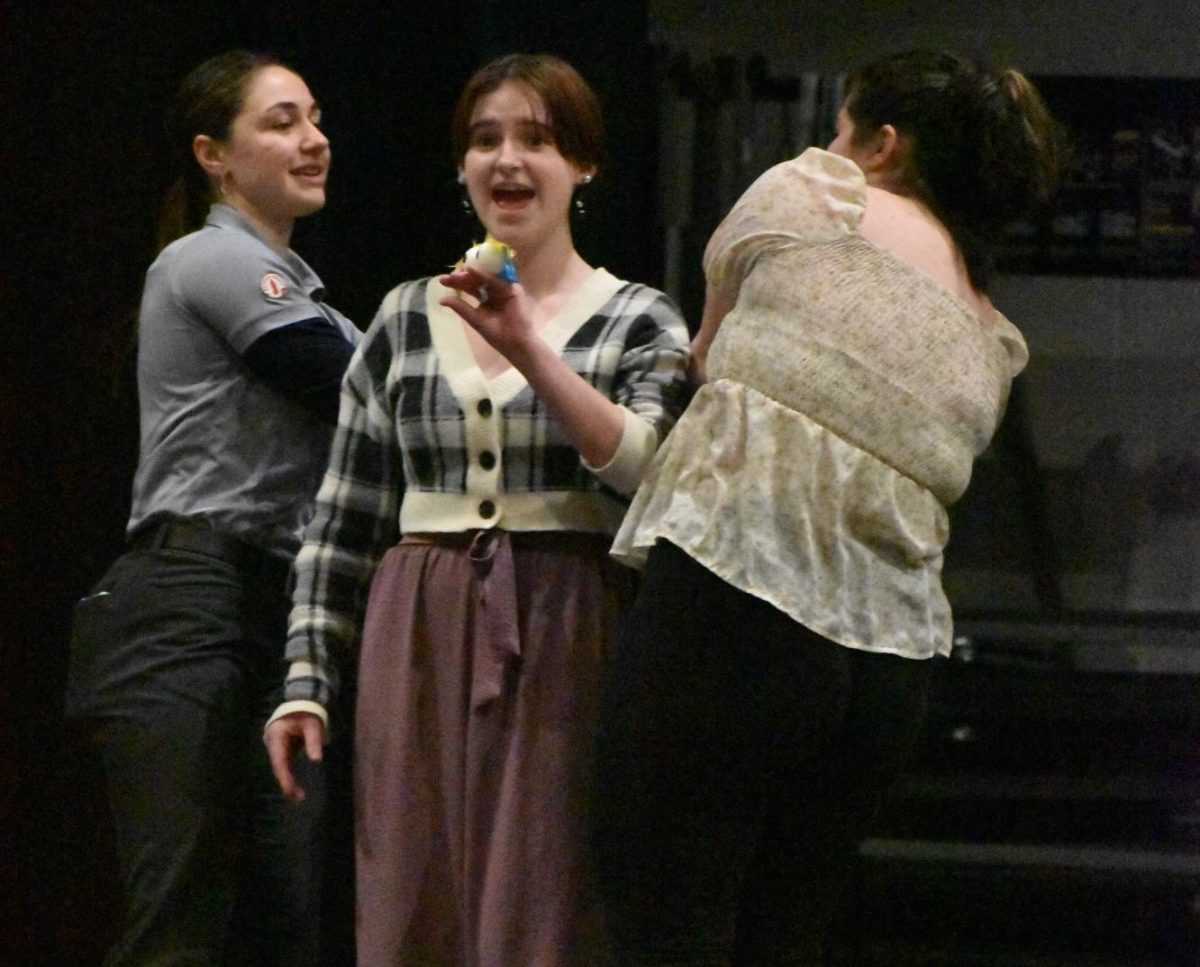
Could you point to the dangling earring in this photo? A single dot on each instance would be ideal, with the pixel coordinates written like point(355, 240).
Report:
point(467, 209)
point(580, 207)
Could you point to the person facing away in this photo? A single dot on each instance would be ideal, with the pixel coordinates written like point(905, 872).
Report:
point(489, 436)
point(773, 672)
point(175, 655)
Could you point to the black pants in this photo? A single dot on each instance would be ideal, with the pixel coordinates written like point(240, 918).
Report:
point(741, 761)
point(177, 660)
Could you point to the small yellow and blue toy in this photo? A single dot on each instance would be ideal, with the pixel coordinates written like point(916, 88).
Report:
point(494, 257)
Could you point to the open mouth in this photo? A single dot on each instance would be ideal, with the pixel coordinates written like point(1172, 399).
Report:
point(310, 172)
point(511, 196)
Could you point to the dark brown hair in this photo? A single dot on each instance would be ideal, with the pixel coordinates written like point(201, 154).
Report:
point(575, 118)
point(207, 102)
point(985, 149)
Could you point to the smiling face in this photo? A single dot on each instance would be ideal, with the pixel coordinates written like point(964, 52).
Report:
point(519, 182)
point(274, 163)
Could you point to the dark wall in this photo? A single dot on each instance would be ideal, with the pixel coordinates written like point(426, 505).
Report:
point(83, 166)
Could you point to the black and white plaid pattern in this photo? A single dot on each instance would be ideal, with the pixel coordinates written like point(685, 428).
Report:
point(401, 427)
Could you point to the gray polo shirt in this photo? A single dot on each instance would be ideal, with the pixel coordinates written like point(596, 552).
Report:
point(217, 442)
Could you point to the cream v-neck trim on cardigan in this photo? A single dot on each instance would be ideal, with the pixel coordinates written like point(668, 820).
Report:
point(453, 348)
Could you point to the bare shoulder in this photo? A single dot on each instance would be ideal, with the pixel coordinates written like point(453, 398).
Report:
point(908, 230)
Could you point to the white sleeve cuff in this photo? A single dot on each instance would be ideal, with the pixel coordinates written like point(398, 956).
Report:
point(627, 466)
point(301, 705)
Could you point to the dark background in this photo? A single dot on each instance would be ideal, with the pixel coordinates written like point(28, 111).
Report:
point(1069, 789)
point(84, 88)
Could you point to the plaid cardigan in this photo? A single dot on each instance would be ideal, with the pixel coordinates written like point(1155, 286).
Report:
point(426, 443)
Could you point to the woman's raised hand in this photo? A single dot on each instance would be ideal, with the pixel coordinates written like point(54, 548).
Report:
point(501, 314)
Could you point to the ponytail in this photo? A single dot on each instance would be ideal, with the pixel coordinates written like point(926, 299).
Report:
point(1041, 139)
point(184, 208)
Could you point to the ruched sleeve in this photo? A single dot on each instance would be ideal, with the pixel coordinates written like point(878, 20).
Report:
point(812, 199)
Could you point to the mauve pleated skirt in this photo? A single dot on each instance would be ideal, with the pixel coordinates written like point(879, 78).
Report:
point(479, 677)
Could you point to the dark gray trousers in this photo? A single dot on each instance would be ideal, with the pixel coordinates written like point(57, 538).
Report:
point(176, 662)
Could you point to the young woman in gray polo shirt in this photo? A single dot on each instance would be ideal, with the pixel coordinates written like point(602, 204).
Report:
point(177, 651)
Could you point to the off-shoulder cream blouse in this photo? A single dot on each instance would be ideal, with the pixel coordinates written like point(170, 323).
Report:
point(849, 394)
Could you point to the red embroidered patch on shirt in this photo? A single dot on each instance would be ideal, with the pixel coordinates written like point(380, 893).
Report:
point(273, 286)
